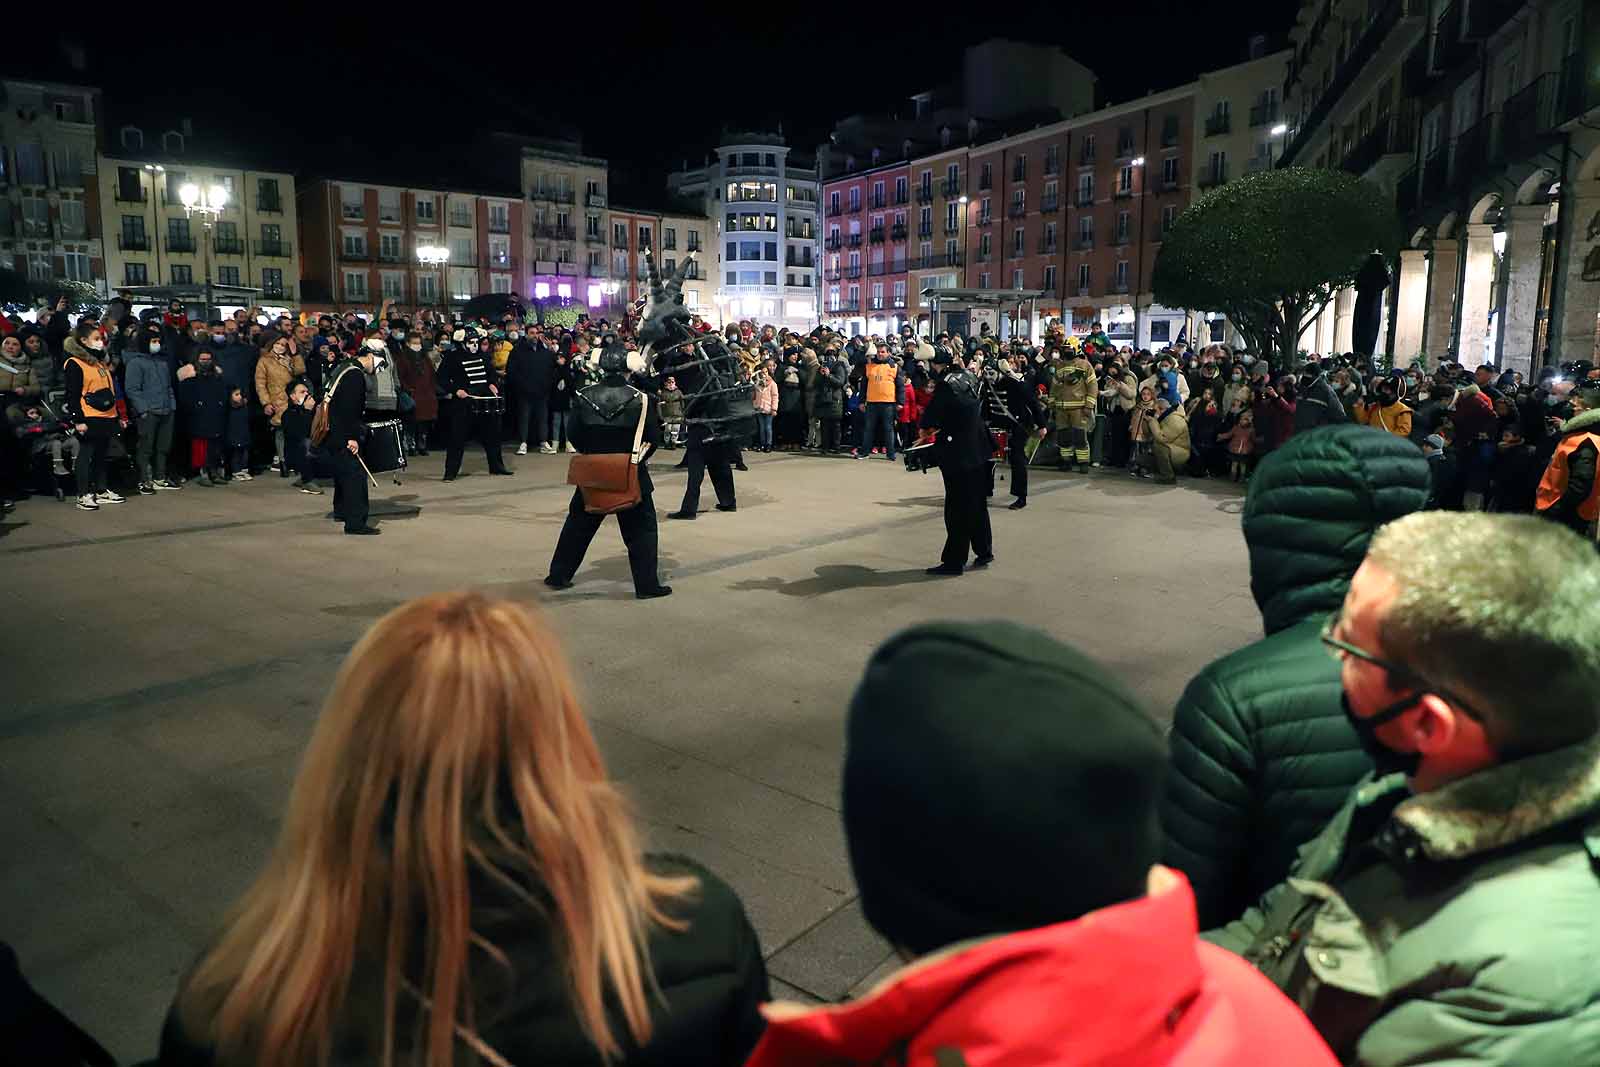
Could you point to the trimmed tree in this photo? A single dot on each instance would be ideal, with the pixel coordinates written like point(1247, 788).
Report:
point(1271, 249)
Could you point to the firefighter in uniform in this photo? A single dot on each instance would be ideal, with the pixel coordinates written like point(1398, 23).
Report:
point(1569, 493)
point(963, 448)
point(1074, 392)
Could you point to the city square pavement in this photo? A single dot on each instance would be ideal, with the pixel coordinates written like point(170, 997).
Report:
point(165, 660)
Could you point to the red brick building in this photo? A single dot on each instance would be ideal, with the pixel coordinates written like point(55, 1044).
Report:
point(359, 244)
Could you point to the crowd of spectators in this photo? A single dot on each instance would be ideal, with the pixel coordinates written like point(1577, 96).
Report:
point(219, 402)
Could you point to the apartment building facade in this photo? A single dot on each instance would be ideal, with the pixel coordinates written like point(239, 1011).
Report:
point(246, 250)
point(568, 218)
point(1481, 118)
point(361, 243)
point(764, 210)
point(50, 224)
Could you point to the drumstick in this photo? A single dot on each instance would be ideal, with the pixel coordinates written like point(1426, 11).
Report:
point(363, 463)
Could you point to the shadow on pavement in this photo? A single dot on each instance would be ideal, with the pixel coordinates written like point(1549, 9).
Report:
point(833, 578)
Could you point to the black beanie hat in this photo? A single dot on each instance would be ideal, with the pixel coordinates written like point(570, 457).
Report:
point(995, 780)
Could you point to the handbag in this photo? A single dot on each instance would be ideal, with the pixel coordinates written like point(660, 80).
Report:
point(610, 482)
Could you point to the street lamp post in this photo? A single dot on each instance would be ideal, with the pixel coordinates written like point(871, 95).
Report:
point(435, 256)
point(207, 203)
point(1276, 132)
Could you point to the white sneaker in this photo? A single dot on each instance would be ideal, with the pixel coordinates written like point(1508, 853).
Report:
point(86, 503)
point(570, 448)
point(522, 450)
point(109, 497)
point(242, 476)
point(547, 449)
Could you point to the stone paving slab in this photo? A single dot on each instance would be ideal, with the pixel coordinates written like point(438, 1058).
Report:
point(143, 788)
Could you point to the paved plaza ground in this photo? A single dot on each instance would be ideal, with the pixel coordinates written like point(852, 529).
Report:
point(165, 659)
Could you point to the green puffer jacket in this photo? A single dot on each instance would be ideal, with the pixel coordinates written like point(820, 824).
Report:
point(1451, 927)
point(1262, 755)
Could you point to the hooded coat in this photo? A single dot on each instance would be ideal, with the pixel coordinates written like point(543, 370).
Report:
point(1262, 755)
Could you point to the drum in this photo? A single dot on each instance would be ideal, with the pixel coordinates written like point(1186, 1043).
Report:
point(921, 457)
point(488, 405)
point(384, 450)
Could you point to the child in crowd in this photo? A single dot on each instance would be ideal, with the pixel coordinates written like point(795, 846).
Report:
point(671, 412)
point(299, 455)
point(238, 438)
point(1241, 442)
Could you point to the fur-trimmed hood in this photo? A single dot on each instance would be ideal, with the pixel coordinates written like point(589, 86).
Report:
point(1506, 804)
point(1583, 421)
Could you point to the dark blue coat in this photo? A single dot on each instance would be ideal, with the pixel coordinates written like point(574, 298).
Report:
point(203, 400)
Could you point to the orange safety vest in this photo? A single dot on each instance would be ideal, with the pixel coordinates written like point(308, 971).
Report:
point(1553, 486)
point(880, 383)
point(96, 376)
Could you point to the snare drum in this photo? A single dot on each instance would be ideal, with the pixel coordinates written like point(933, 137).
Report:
point(384, 449)
point(488, 405)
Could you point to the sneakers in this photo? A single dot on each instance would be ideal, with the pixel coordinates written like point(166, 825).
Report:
point(86, 503)
point(109, 497)
point(310, 488)
point(277, 463)
point(522, 450)
point(203, 478)
point(547, 449)
point(147, 489)
point(574, 450)
point(242, 476)
point(167, 483)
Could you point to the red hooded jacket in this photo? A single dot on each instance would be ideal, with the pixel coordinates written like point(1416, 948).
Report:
point(1126, 986)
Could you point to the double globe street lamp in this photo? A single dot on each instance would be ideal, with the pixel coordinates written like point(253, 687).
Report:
point(207, 202)
point(432, 256)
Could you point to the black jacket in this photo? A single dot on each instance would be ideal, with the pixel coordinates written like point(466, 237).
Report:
point(454, 374)
point(346, 407)
point(203, 401)
point(962, 441)
point(1262, 755)
point(711, 977)
point(1022, 401)
point(531, 369)
point(1317, 404)
point(605, 416)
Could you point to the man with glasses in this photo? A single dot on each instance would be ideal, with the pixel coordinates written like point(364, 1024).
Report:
point(1447, 913)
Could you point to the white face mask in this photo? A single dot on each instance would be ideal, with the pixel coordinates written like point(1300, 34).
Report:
point(155, 347)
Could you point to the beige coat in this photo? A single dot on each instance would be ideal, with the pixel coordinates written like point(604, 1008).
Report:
point(273, 376)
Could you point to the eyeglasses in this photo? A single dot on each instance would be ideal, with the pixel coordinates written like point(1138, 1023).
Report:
point(1407, 677)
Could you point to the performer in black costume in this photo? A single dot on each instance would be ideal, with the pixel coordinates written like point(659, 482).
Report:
point(464, 374)
point(346, 400)
point(603, 421)
point(716, 457)
point(962, 447)
point(1019, 407)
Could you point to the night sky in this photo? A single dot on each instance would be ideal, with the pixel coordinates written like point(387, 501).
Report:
point(645, 88)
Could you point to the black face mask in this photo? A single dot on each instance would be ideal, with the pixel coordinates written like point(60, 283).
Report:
point(1385, 760)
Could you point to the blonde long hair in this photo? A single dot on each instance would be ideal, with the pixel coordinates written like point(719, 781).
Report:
point(452, 745)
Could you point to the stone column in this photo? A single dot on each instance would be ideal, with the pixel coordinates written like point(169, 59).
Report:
point(1411, 302)
point(1575, 303)
point(1477, 293)
point(1344, 317)
point(1443, 273)
point(1519, 294)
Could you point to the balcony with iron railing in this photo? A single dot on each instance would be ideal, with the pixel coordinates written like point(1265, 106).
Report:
point(1394, 134)
point(831, 275)
point(552, 196)
point(1017, 210)
point(1052, 164)
point(853, 208)
point(876, 201)
point(1083, 244)
point(273, 249)
point(985, 181)
point(1016, 251)
point(876, 235)
point(227, 246)
point(1118, 286)
point(269, 205)
point(1477, 150)
point(355, 255)
point(854, 240)
point(925, 229)
point(594, 199)
point(126, 195)
point(1086, 155)
point(1121, 240)
point(1219, 124)
point(834, 210)
point(846, 307)
point(180, 243)
point(1264, 113)
point(1019, 174)
point(986, 219)
point(951, 189)
point(1213, 177)
point(834, 243)
point(1126, 149)
point(500, 224)
point(897, 232)
point(924, 194)
point(1049, 204)
point(1047, 246)
point(497, 262)
point(1084, 198)
point(902, 197)
point(852, 273)
point(277, 292)
point(1122, 192)
point(133, 242)
point(1532, 115)
point(1367, 44)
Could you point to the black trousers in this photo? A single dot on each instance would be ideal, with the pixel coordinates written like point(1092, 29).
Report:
point(1018, 458)
point(715, 458)
point(638, 534)
point(463, 421)
point(350, 503)
point(830, 433)
point(533, 417)
point(966, 515)
point(93, 453)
